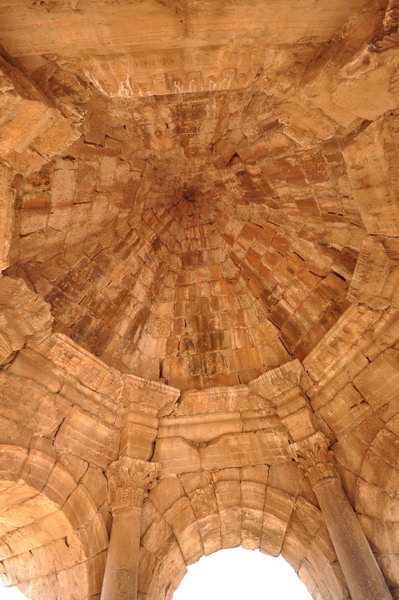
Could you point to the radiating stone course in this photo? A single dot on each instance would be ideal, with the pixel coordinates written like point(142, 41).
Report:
point(199, 289)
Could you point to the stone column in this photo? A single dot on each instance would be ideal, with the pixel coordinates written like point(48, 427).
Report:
point(129, 480)
point(362, 573)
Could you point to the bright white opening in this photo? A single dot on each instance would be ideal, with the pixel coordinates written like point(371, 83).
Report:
point(13, 593)
point(238, 574)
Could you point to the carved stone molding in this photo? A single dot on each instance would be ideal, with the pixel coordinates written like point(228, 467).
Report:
point(314, 457)
point(147, 396)
point(128, 482)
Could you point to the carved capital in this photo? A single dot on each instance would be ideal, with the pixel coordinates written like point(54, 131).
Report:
point(314, 457)
point(129, 480)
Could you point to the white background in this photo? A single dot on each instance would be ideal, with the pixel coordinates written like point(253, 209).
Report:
point(239, 574)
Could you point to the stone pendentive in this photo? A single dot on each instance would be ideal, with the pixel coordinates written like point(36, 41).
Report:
point(24, 318)
point(32, 129)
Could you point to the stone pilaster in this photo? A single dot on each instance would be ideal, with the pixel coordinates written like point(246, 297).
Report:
point(145, 401)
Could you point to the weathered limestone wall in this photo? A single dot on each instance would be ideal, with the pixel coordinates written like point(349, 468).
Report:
point(61, 418)
point(32, 131)
point(59, 429)
point(6, 214)
point(226, 454)
point(53, 538)
point(152, 282)
point(200, 197)
point(197, 514)
point(215, 420)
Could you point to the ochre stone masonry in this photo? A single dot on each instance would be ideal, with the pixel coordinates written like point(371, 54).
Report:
point(199, 292)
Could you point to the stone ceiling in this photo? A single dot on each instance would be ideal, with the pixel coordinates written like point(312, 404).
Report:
point(227, 186)
point(202, 194)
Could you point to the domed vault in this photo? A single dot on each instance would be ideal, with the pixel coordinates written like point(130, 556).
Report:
point(204, 192)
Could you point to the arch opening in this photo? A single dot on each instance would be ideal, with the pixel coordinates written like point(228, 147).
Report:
point(52, 537)
point(11, 593)
point(39, 549)
point(236, 573)
point(228, 512)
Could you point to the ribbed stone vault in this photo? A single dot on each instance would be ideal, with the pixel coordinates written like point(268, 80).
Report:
point(205, 224)
point(173, 255)
point(199, 244)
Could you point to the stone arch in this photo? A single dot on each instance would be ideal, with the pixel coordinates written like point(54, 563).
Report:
point(377, 498)
point(182, 523)
point(52, 537)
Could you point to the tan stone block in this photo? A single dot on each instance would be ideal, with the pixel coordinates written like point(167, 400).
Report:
point(295, 544)
point(93, 535)
point(32, 365)
point(230, 527)
point(15, 494)
point(33, 508)
point(202, 428)
point(254, 420)
point(79, 508)
point(86, 437)
point(95, 482)
point(382, 536)
point(172, 569)
point(37, 469)
point(327, 356)
point(277, 512)
point(192, 481)
point(210, 532)
point(43, 585)
point(166, 493)
point(346, 410)
point(383, 369)
point(158, 537)
point(60, 485)
point(12, 460)
point(51, 527)
point(14, 433)
point(182, 520)
point(75, 466)
point(373, 501)
point(226, 475)
point(234, 450)
point(258, 474)
point(176, 456)
point(138, 436)
point(38, 411)
point(286, 477)
point(6, 214)
point(90, 371)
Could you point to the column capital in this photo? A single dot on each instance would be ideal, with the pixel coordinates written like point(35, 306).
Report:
point(314, 457)
point(128, 482)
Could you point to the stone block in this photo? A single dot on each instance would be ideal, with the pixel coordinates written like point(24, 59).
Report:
point(87, 437)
